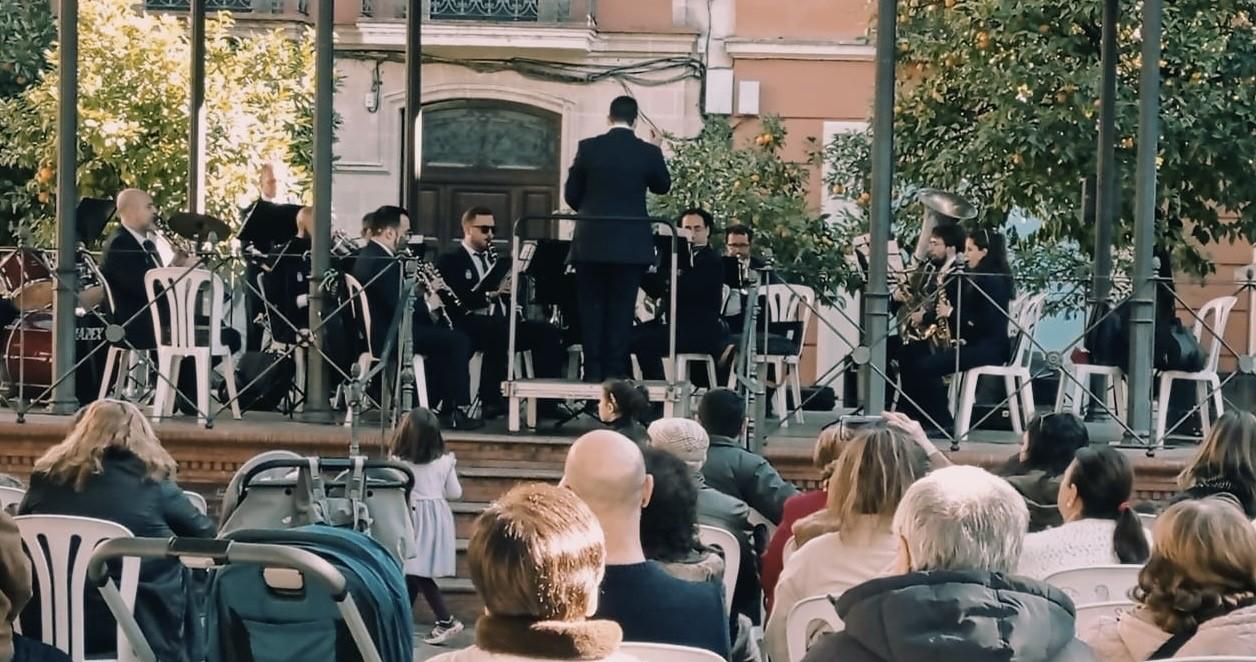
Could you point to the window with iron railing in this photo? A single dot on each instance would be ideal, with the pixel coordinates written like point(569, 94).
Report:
point(503, 11)
point(240, 6)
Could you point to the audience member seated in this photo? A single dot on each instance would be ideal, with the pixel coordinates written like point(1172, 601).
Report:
point(536, 558)
point(15, 591)
point(732, 469)
point(669, 535)
point(686, 439)
point(624, 406)
point(876, 466)
point(607, 471)
point(1197, 592)
point(1225, 462)
point(797, 507)
point(960, 533)
point(1046, 449)
point(112, 467)
point(1100, 527)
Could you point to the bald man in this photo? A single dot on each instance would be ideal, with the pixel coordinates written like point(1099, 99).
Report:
point(606, 470)
point(127, 254)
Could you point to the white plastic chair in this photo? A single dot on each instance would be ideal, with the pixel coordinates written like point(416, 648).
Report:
point(713, 536)
point(1074, 388)
point(799, 620)
point(667, 652)
point(117, 356)
point(787, 303)
point(1216, 314)
point(1088, 614)
point(362, 311)
point(198, 501)
point(11, 496)
point(60, 547)
point(181, 290)
point(1148, 520)
point(1101, 583)
point(1216, 658)
point(1017, 380)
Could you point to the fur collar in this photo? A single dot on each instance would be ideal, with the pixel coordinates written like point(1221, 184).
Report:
point(559, 640)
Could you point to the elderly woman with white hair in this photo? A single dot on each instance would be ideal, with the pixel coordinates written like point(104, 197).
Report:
point(688, 440)
point(960, 532)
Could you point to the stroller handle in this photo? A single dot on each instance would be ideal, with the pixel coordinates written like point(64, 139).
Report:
point(329, 464)
point(222, 552)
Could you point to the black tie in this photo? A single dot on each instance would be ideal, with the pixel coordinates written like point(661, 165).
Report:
point(483, 257)
point(151, 249)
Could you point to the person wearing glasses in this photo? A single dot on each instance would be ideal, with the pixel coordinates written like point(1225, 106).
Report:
point(482, 284)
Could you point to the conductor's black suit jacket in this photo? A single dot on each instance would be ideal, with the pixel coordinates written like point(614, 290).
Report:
point(610, 177)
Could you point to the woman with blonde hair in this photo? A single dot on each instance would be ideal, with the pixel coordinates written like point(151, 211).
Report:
point(828, 444)
point(112, 467)
point(537, 556)
point(851, 541)
point(1225, 463)
point(1197, 593)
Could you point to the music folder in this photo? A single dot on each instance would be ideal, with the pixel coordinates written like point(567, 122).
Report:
point(268, 224)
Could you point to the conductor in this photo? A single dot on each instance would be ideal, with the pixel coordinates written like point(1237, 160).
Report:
point(609, 178)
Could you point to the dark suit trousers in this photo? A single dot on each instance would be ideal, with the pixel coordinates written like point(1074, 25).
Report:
point(607, 295)
point(925, 393)
point(491, 335)
point(446, 355)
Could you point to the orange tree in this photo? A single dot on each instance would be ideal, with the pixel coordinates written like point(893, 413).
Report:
point(133, 112)
point(751, 183)
point(26, 33)
point(1001, 97)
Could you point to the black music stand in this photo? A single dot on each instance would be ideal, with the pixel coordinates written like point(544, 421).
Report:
point(268, 224)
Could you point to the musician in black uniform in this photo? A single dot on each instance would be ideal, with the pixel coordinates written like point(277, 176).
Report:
point(482, 285)
point(974, 314)
point(265, 226)
point(447, 352)
point(609, 177)
point(699, 297)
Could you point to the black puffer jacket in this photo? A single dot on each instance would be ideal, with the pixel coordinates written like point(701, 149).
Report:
point(953, 616)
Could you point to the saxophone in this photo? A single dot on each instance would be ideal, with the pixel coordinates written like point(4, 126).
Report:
point(938, 334)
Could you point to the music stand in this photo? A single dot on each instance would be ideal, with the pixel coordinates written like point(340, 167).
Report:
point(663, 248)
point(91, 217)
point(269, 224)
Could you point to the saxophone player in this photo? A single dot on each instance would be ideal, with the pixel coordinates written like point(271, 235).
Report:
point(970, 311)
point(481, 284)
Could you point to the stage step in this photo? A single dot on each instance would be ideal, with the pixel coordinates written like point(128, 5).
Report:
point(489, 449)
point(489, 483)
point(465, 513)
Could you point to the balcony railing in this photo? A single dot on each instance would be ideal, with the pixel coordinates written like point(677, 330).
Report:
point(498, 11)
point(238, 6)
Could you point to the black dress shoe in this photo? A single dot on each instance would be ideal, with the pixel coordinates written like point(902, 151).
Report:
point(491, 410)
point(459, 421)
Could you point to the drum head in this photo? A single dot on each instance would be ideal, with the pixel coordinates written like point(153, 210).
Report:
point(34, 296)
point(90, 297)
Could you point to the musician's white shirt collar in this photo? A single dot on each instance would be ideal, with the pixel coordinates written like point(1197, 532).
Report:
point(140, 238)
point(387, 249)
point(622, 125)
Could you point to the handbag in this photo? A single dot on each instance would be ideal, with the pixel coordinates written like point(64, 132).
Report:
point(1179, 349)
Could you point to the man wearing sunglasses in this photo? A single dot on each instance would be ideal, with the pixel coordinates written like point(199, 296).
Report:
point(609, 178)
point(482, 284)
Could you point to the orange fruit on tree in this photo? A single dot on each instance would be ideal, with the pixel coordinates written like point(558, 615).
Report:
point(44, 197)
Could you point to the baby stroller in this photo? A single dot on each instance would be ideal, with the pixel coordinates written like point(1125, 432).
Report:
point(312, 593)
point(282, 490)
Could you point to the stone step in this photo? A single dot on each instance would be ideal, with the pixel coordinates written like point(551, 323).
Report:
point(488, 483)
point(482, 449)
point(465, 513)
point(460, 597)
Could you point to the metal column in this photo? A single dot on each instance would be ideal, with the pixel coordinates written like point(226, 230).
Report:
point(414, 100)
point(316, 400)
point(1142, 313)
point(876, 296)
point(196, 111)
point(64, 400)
point(1105, 176)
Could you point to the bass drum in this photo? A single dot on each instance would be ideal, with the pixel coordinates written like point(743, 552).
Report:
point(28, 357)
point(22, 266)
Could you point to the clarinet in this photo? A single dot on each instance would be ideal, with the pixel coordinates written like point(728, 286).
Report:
point(431, 280)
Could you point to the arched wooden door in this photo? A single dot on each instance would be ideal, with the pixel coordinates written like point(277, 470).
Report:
point(500, 155)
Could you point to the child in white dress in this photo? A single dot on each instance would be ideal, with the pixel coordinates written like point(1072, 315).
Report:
point(418, 443)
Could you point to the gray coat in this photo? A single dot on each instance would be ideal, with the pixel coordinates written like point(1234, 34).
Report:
point(737, 472)
point(731, 514)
